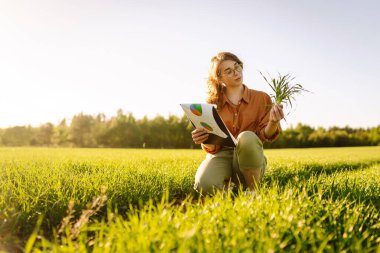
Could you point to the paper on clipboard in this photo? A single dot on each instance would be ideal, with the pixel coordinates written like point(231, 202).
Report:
point(205, 116)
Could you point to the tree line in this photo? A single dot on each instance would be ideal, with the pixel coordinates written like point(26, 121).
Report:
point(125, 131)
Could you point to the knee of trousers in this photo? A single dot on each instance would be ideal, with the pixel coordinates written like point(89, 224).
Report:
point(205, 186)
point(248, 140)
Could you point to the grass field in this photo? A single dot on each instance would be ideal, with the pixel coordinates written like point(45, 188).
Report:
point(115, 200)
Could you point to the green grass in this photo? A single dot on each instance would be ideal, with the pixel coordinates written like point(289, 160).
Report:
point(318, 200)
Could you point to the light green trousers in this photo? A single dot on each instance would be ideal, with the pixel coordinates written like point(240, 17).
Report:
point(225, 166)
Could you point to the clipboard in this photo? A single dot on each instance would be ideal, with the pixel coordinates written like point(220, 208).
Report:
point(205, 116)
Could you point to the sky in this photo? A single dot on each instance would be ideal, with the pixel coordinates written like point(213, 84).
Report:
point(61, 58)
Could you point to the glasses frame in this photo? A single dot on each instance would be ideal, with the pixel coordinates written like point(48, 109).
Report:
point(238, 67)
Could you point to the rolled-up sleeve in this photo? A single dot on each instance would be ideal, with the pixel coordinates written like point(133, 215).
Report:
point(211, 151)
point(264, 122)
point(274, 137)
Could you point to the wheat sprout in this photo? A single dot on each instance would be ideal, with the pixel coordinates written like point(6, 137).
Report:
point(284, 90)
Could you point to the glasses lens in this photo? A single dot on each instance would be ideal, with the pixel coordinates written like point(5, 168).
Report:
point(228, 72)
point(238, 68)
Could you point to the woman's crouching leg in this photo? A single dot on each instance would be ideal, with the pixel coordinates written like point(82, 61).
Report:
point(213, 172)
point(250, 158)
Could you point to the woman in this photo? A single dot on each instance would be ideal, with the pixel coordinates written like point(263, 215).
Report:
point(250, 117)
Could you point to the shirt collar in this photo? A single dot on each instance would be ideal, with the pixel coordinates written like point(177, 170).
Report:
point(245, 96)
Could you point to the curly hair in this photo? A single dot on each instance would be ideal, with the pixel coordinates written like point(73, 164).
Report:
point(215, 87)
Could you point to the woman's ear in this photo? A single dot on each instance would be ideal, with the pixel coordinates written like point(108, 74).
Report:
point(220, 81)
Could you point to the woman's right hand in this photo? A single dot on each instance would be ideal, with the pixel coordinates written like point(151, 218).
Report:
point(199, 135)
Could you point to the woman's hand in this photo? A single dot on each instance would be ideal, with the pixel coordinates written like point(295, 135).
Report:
point(276, 113)
point(199, 135)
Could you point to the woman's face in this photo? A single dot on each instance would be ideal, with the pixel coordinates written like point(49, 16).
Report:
point(231, 73)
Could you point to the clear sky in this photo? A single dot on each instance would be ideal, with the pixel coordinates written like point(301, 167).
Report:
point(59, 58)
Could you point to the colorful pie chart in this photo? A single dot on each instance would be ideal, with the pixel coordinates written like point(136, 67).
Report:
point(196, 109)
point(207, 126)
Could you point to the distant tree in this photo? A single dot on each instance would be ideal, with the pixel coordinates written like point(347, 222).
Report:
point(339, 138)
point(374, 136)
point(303, 133)
point(1, 136)
point(287, 138)
point(17, 136)
point(177, 132)
point(100, 130)
point(123, 131)
point(44, 135)
point(160, 132)
point(185, 128)
point(81, 130)
point(320, 138)
point(359, 137)
point(61, 134)
point(145, 130)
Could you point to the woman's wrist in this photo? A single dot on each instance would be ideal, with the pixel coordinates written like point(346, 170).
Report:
point(273, 122)
point(271, 129)
point(209, 146)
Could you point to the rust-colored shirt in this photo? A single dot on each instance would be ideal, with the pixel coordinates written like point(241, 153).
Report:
point(251, 114)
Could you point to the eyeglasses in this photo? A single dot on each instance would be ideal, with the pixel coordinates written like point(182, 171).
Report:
point(230, 72)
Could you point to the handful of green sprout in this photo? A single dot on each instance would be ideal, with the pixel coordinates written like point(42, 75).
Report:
point(284, 90)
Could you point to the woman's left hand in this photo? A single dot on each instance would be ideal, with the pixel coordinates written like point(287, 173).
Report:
point(276, 113)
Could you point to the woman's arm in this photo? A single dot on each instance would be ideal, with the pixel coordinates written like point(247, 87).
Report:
point(275, 115)
point(200, 135)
